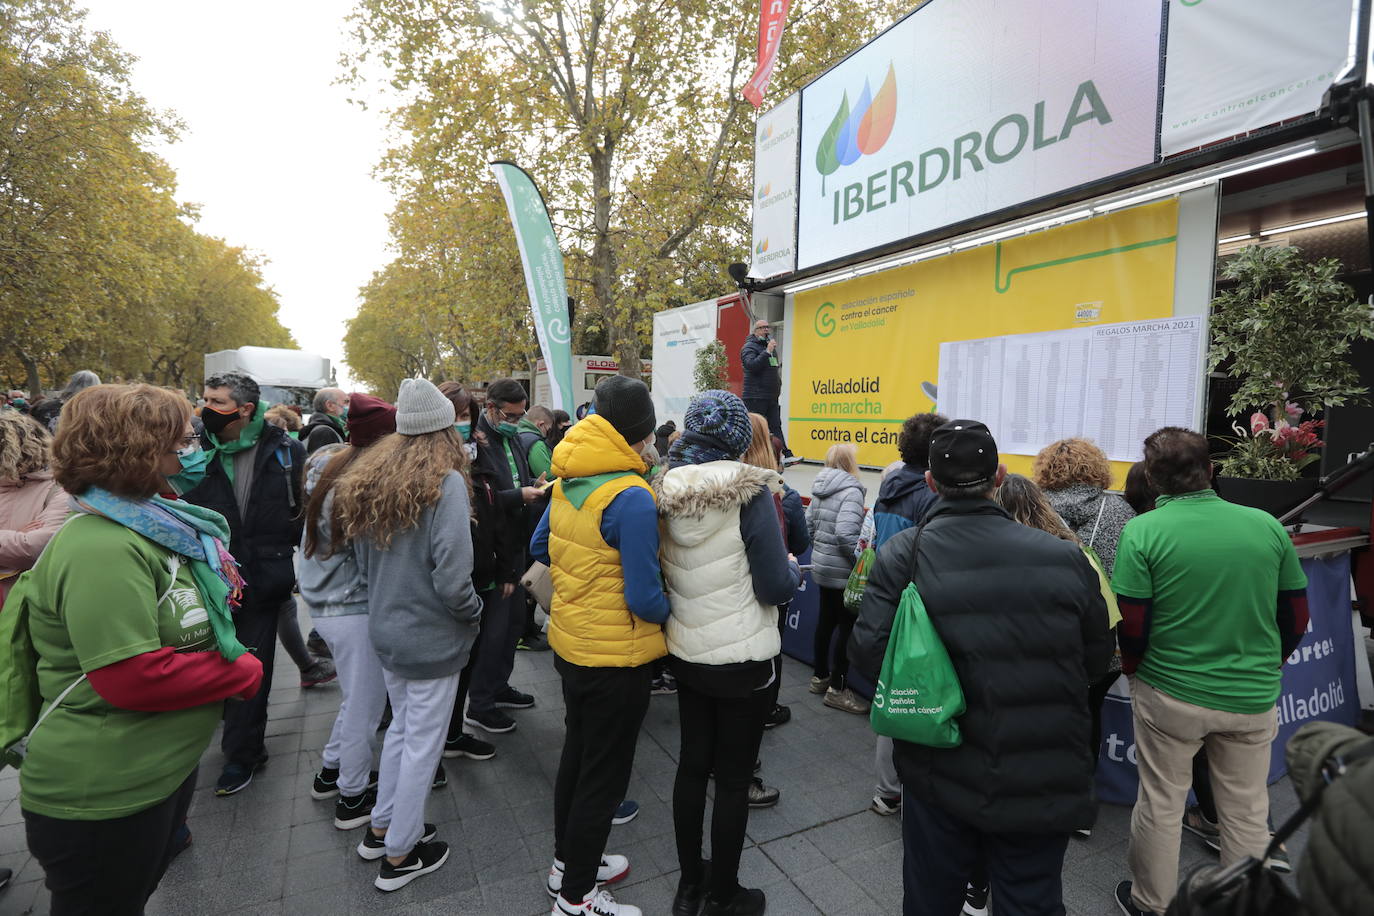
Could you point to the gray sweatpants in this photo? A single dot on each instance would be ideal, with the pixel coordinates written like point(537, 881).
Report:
point(364, 698)
point(420, 712)
point(888, 784)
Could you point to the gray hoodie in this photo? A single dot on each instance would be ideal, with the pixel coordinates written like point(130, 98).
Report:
point(423, 613)
point(331, 586)
point(1096, 516)
point(834, 518)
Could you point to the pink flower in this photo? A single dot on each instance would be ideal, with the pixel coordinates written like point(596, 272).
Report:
point(1258, 423)
point(1293, 411)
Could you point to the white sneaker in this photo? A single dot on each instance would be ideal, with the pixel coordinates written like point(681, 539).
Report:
point(598, 903)
point(613, 869)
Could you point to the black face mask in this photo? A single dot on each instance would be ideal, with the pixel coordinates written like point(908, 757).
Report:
point(215, 422)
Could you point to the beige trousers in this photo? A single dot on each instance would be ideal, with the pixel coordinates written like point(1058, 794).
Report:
point(1168, 733)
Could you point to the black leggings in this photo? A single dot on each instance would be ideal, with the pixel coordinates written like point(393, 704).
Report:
point(111, 866)
point(460, 702)
point(721, 736)
point(834, 620)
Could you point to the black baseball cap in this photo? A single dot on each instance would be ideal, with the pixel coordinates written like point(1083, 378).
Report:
point(963, 454)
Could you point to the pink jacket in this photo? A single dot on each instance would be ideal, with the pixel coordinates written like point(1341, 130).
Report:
point(31, 510)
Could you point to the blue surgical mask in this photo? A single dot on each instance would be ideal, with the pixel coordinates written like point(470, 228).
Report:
point(194, 465)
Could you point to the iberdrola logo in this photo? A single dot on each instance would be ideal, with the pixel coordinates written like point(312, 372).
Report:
point(765, 190)
point(761, 247)
point(861, 131)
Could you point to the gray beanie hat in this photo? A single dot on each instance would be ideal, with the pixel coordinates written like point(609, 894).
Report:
point(421, 408)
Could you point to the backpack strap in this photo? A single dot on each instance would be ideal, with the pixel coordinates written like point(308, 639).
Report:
point(21, 748)
point(284, 459)
point(1102, 505)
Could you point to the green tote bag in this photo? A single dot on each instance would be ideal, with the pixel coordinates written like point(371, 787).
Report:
point(918, 696)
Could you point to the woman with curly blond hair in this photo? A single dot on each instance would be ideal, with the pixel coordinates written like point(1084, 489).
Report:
point(32, 505)
point(404, 507)
point(1075, 475)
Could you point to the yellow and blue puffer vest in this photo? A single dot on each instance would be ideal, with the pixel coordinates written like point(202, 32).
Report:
point(590, 623)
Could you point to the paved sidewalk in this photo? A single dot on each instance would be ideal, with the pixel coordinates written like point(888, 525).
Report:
point(272, 849)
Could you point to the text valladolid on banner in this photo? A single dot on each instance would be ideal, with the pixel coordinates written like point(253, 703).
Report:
point(775, 190)
point(1236, 65)
point(865, 353)
point(967, 107)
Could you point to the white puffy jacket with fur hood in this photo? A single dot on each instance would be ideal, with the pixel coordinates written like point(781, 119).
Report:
point(724, 561)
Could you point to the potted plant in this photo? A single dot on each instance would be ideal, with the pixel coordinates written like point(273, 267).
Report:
point(1284, 332)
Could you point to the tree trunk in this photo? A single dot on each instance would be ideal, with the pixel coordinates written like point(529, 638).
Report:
point(35, 382)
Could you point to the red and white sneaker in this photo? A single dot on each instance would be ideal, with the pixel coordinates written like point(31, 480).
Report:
point(598, 903)
point(613, 869)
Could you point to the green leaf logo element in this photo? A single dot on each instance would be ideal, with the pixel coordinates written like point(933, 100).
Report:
point(827, 154)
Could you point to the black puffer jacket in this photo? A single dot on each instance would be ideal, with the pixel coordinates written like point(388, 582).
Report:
point(498, 547)
point(263, 539)
point(1022, 616)
point(322, 430)
point(1336, 875)
point(762, 379)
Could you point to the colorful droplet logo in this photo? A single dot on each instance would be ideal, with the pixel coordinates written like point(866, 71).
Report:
point(860, 131)
point(765, 190)
point(761, 247)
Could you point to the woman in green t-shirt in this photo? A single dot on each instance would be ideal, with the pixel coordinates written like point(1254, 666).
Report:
point(129, 609)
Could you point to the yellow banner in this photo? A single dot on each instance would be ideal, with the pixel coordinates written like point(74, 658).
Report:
point(865, 353)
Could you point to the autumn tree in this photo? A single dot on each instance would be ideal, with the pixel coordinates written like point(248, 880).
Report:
point(100, 267)
point(628, 115)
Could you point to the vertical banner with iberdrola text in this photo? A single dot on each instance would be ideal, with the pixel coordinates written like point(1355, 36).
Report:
point(775, 190)
point(544, 278)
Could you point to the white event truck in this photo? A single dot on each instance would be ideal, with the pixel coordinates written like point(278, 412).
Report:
point(285, 376)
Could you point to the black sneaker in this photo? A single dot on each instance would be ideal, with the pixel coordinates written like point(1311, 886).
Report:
point(665, 685)
point(778, 716)
point(687, 901)
point(423, 859)
point(466, 745)
point(320, 672)
point(373, 847)
point(352, 813)
point(510, 698)
point(326, 784)
point(235, 778)
point(495, 722)
point(440, 778)
point(533, 643)
point(1123, 900)
point(746, 902)
point(5, 876)
point(975, 901)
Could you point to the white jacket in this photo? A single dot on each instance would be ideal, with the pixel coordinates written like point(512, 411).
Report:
point(716, 618)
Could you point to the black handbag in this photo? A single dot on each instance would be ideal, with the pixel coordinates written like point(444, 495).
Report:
point(1247, 888)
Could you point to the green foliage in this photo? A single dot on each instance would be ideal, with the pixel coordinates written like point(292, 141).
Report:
point(629, 117)
point(1285, 330)
point(709, 372)
point(99, 265)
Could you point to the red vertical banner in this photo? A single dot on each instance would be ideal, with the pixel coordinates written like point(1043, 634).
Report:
point(772, 16)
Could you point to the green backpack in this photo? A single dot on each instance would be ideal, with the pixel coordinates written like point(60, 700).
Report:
point(918, 695)
point(21, 705)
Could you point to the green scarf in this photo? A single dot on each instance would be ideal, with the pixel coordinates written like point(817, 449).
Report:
point(248, 438)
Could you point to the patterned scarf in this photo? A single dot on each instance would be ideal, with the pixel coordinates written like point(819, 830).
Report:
point(698, 448)
point(193, 532)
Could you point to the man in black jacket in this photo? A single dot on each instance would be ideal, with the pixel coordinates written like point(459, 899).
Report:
point(254, 481)
point(1022, 616)
point(763, 381)
point(503, 620)
point(329, 410)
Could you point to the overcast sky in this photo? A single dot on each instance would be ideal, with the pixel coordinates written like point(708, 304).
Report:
point(277, 158)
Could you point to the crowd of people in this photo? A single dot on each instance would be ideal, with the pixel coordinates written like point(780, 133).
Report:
point(167, 547)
